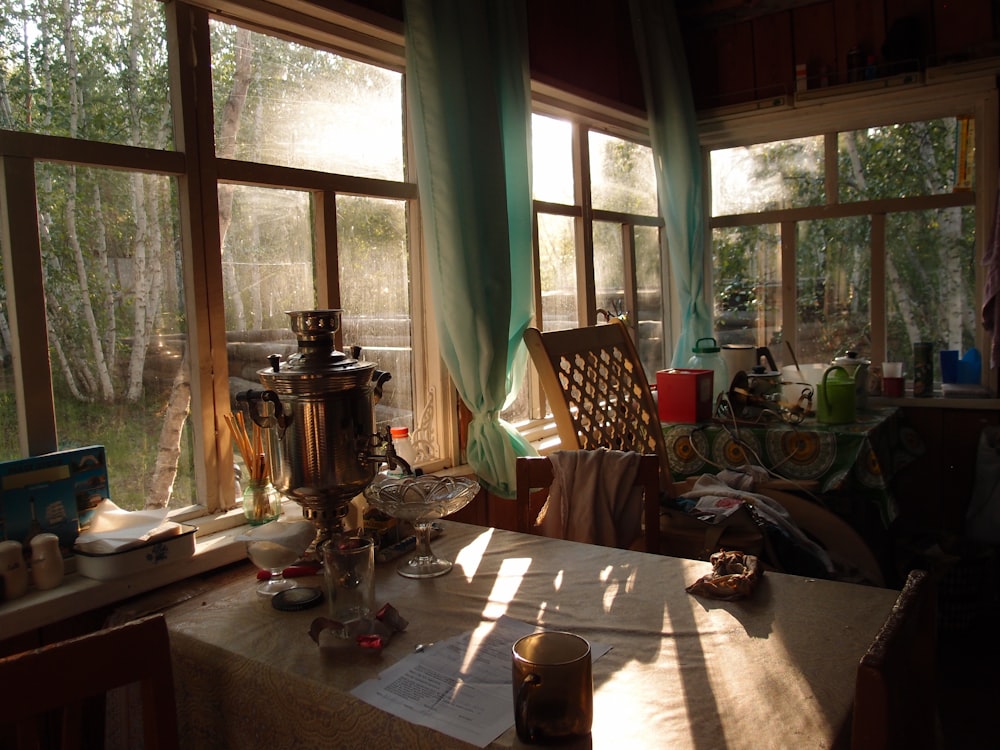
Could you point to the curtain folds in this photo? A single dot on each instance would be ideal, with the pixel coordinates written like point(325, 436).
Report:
point(677, 158)
point(468, 91)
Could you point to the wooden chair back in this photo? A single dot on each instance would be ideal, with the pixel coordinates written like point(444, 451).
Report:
point(51, 693)
point(534, 476)
point(598, 391)
point(895, 704)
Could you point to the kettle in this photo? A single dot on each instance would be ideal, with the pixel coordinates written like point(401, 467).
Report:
point(835, 397)
point(745, 357)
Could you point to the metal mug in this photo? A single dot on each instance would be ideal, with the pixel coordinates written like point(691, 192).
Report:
point(553, 687)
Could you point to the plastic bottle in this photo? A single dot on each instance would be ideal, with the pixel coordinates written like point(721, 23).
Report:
point(404, 449)
point(707, 356)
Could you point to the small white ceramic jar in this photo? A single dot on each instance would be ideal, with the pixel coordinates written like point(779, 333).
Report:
point(46, 561)
point(13, 569)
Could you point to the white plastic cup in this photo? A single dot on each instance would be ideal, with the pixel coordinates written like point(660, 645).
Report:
point(892, 369)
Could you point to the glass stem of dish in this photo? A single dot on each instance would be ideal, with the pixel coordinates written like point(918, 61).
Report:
point(423, 552)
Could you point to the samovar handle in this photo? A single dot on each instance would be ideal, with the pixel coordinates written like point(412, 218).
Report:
point(380, 377)
point(266, 421)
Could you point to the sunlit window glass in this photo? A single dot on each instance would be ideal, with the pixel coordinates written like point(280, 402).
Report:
point(267, 270)
point(747, 283)
point(64, 68)
point(909, 159)
point(282, 103)
point(650, 314)
point(931, 271)
point(375, 293)
point(609, 268)
point(622, 177)
point(765, 176)
point(116, 327)
point(834, 288)
point(557, 261)
point(551, 160)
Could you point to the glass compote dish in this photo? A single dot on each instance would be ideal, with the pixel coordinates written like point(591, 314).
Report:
point(421, 500)
point(273, 547)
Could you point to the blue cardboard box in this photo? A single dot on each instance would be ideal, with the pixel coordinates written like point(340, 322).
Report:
point(55, 493)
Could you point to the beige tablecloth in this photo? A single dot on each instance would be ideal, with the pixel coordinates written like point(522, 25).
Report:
point(776, 671)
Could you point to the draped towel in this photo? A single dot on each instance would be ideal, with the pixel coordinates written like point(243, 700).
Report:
point(593, 498)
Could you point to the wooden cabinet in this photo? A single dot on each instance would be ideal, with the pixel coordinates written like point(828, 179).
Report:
point(934, 493)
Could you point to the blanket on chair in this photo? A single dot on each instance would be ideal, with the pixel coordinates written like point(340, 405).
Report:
point(593, 498)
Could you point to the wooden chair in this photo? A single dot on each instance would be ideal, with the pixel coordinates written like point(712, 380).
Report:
point(895, 703)
point(600, 398)
point(536, 473)
point(51, 693)
point(598, 391)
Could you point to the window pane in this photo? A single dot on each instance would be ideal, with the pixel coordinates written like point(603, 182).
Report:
point(557, 262)
point(767, 176)
point(621, 174)
point(282, 103)
point(834, 291)
point(609, 267)
point(267, 269)
point(747, 262)
point(651, 299)
point(931, 270)
point(81, 94)
point(375, 294)
point(898, 161)
point(551, 160)
point(117, 329)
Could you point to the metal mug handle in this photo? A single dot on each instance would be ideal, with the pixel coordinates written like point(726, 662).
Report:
point(524, 731)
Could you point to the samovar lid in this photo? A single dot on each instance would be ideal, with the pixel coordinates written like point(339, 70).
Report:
point(317, 366)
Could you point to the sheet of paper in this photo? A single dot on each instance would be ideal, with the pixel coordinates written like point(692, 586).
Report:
point(460, 687)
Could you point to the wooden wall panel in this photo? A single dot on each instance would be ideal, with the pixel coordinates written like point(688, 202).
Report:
point(586, 46)
point(774, 66)
point(963, 29)
point(721, 65)
point(860, 25)
point(814, 42)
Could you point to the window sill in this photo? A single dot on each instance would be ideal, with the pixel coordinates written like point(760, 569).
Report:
point(77, 595)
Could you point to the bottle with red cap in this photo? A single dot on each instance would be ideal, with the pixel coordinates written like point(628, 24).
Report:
point(404, 449)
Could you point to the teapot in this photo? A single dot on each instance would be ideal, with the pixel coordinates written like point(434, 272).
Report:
point(835, 397)
point(745, 357)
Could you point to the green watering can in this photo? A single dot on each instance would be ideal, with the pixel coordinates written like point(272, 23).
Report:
point(835, 397)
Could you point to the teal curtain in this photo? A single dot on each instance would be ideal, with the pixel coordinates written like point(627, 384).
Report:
point(677, 158)
point(468, 90)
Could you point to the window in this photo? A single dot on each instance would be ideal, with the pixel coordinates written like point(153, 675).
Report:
point(597, 229)
point(854, 237)
point(150, 252)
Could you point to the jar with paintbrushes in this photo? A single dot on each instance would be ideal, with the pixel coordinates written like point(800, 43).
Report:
point(261, 499)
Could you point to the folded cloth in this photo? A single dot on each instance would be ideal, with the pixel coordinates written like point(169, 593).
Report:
point(593, 498)
point(115, 530)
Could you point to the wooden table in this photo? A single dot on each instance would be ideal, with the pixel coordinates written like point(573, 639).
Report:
point(774, 671)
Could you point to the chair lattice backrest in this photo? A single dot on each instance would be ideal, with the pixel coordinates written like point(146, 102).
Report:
point(597, 390)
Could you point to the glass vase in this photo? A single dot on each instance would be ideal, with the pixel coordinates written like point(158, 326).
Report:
point(261, 503)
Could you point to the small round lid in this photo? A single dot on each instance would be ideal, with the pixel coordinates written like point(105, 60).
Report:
point(700, 348)
point(399, 432)
point(850, 359)
point(293, 600)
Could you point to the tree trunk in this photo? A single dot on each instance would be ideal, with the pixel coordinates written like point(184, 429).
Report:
point(161, 484)
point(107, 390)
